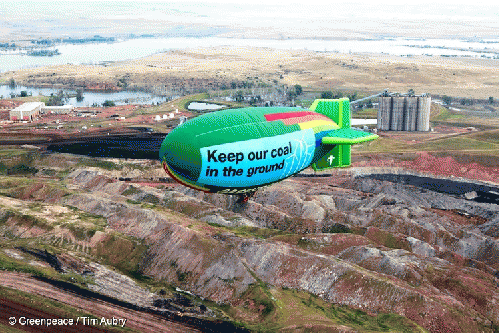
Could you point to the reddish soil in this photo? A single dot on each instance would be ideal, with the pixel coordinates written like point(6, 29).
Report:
point(439, 132)
point(9, 104)
point(41, 136)
point(449, 167)
point(439, 166)
point(4, 115)
point(459, 218)
point(19, 129)
point(136, 320)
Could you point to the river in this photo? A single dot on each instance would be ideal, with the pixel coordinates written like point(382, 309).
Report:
point(97, 53)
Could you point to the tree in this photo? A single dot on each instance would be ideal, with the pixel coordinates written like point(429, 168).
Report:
point(353, 96)
point(122, 83)
point(239, 97)
point(248, 84)
point(447, 99)
point(57, 100)
point(338, 94)
point(12, 83)
point(79, 95)
point(291, 95)
point(108, 103)
point(327, 95)
point(24, 93)
point(255, 99)
point(298, 89)
point(466, 101)
point(491, 100)
point(411, 92)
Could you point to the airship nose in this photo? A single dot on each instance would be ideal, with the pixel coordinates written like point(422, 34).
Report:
point(180, 152)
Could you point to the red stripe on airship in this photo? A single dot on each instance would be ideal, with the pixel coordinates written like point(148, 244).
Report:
point(291, 118)
point(304, 119)
point(171, 174)
point(280, 116)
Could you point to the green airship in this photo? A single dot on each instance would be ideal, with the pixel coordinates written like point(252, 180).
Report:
point(237, 151)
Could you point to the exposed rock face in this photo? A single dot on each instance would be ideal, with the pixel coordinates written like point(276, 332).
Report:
point(418, 197)
point(435, 223)
point(491, 228)
point(113, 284)
point(421, 248)
point(400, 263)
point(373, 245)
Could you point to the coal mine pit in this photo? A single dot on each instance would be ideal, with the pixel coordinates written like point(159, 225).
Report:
point(477, 192)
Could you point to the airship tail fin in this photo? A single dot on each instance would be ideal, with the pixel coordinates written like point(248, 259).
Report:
point(338, 157)
point(341, 139)
point(338, 110)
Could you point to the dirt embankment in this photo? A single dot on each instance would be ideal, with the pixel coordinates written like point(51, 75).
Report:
point(396, 220)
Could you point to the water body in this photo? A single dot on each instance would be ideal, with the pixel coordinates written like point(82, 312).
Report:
point(90, 98)
point(97, 53)
point(357, 122)
point(201, 106)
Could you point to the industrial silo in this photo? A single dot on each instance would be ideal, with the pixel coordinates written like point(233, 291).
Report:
point(404, 113)
point(384, 109)
point(424, 113)
point(397, 114)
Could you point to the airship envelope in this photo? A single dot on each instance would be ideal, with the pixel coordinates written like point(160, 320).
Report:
point(239, 150)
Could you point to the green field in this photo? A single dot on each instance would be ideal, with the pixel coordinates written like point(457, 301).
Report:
point(462, 143)
point(365, 114)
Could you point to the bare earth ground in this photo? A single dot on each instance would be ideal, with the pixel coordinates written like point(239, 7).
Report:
point(470, 78)
point(137, 321)
point(354, 269)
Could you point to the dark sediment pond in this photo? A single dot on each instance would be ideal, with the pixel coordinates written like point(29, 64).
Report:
point(144, 146)
point(147, 145)
point(475, 191)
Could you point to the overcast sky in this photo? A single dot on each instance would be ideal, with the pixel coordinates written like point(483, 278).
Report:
point(388, 16)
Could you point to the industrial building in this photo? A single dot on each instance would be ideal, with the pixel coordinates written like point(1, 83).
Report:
point(26, 111)
point(65, 109)
point(404, 113)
